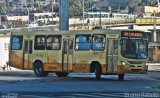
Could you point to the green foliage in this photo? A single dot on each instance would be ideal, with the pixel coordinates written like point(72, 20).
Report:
point(151, 2)
point(133, 3)
point(2, 10)
point(89, 4)
point(75, 7)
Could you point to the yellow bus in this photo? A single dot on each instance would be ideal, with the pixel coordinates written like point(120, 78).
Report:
point(101, 52)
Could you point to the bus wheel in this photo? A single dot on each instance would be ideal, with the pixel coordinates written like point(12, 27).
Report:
point(38, 69)
point(98, 73)
point(120, 77)
point(62, 74)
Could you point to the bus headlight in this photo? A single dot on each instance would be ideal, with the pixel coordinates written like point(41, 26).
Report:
point(123, 63)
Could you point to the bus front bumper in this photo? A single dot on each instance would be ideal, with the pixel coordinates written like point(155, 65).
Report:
point(134, 70)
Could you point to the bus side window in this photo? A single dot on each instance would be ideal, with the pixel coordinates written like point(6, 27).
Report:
point(83, 42)
point(56, 43)
point(40, 42)
point(53, 42)
point(98, 42)
point(16, 42)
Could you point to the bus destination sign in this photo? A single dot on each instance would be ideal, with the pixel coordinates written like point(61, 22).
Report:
point(132, 34)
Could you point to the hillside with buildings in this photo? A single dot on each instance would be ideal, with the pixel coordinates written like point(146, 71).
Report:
point(33, 13)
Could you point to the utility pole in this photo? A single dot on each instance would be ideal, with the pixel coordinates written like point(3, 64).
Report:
point(28, 15)
point(154, 28)
point(52, 12)
point(83, 15)
point(64, 15)
point(110, 12)
point(100, 13)
point(100, 16)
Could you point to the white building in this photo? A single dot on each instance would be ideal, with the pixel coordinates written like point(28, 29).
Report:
point(4, 50)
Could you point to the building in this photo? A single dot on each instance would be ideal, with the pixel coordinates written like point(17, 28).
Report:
point(2, 3)
point(20, 3)
point(112, 5)
point(45, 2)
point(4, 49)
point(146, 10)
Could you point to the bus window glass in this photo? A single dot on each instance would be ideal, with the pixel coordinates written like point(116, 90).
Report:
point(25, 46)
point(53, 42)
point(71, 47)
point(115, 47)
point(134, 48)
point(16, 42)
point(83, 42)
point(98, 42)
point(40, 41)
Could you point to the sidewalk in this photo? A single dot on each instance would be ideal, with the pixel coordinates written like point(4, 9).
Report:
point(153, 66)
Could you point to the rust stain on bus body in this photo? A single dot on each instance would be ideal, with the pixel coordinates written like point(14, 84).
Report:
point(17, 61)
point(52, 66)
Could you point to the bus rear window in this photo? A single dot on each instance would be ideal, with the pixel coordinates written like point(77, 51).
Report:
point(16, 42)
point(40, 42)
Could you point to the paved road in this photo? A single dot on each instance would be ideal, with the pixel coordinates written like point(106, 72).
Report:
point(25, 84)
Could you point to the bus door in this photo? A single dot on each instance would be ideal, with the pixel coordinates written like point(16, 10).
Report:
point(67, 55)
point(112, 55)
point(27, 51)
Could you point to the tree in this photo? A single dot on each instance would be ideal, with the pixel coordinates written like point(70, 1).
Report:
point(75, 7)
point(151, 2)
point(3, 10)
point(132, 4)
point(89, 4)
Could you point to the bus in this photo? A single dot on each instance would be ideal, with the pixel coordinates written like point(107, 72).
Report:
point(43, 18)
point(108, 15)
point(101, 51)
point(97, 14)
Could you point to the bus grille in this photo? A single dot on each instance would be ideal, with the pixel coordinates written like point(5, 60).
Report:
point(134, 62)
point(135, 70)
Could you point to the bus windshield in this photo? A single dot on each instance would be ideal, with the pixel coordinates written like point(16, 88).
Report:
point(134, 48)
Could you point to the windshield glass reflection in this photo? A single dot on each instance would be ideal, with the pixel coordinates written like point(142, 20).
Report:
point(134, 48)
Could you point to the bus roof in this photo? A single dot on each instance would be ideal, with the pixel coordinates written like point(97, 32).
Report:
point(66, 32)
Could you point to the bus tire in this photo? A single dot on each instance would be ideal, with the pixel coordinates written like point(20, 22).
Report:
point(38, 70)
point(98, 72)
point(62, 74)
point(120, 77)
